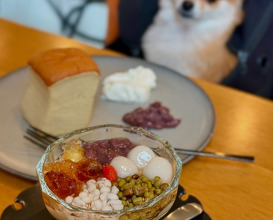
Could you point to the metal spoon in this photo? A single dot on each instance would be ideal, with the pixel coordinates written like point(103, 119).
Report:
point(220, 155)
point(185, 212)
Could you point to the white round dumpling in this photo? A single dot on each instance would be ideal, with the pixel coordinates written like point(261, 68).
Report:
point(141, 155)
point(161, 167)
point(124, 166)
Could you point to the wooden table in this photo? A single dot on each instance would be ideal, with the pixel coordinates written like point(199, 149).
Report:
point(227, 189)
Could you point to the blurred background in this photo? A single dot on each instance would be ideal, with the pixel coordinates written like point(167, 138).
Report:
point(82, 20)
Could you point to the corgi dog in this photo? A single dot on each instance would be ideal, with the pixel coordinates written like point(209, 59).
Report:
point(190, 37)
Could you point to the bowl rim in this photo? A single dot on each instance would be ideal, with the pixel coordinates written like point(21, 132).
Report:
point(172, 186)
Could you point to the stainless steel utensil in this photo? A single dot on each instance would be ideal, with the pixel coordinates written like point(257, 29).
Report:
point(220, 155)
point(185, 212)
point(43, 139)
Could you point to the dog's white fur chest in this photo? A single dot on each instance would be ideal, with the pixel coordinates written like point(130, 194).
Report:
point(191, 47)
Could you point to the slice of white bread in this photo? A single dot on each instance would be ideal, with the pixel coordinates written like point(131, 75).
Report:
point(61, 91)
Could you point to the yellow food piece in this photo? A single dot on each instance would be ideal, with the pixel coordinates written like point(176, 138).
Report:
point(73, 151)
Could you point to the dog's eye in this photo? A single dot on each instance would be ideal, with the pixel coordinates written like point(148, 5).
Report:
point(211, 1)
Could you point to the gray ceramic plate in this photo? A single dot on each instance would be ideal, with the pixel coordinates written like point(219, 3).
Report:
point(182, 96)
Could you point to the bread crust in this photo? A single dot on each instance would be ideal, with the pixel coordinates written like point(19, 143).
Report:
point(57, 64)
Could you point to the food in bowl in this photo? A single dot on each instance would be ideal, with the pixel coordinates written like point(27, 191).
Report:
point(89, 184)
point(60, 94)
point(102, 192)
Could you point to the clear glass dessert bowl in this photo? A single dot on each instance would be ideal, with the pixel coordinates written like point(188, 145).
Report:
point(153, 209)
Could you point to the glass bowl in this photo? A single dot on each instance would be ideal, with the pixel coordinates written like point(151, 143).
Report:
point(154, 209)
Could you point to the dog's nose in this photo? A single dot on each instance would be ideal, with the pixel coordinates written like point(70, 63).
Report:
point(187, 5)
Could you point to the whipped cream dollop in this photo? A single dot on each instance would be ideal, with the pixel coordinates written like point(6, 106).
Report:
point(135, 85)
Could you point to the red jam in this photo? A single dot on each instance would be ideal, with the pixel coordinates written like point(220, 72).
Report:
point(66, 177)
point(89, 169)
point(156, 116)
point(62, 184)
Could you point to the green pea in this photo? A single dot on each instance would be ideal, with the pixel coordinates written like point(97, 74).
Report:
point(164, 186)
point(149, 195)
point(144, 185)
point(120, 194)
point(137, 200)
point(121, 182)
point(158, 191)
point(128, 178)
point(144, 179)
point(152, 189)
point(157, 184)
point(138, 190)
point(128, 192)
point(127, 186)
point(132, 181)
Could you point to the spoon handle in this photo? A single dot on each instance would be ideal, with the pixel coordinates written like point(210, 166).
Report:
point(185, 212)
point(220, 155)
